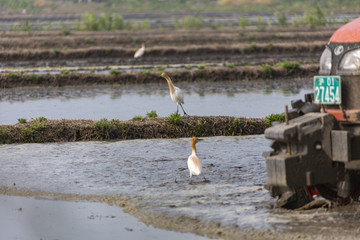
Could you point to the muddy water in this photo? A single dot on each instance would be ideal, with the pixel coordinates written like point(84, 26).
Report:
point(245, 99)
point(233, 203)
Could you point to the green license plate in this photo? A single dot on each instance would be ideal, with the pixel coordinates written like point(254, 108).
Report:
point(327, 89)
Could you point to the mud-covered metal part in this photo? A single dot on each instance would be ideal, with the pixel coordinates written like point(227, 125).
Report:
point(309, 161)
point(318, 152)
point(299, 107)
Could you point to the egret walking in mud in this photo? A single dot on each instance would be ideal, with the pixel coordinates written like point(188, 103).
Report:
point(140, 51)
point(193, 162)
point(176, 93)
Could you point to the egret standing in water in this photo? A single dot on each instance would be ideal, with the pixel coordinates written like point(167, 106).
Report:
point(140, 51)
point(176, 93)
point(193, 162)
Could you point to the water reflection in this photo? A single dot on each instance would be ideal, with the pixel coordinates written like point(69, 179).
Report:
point(126, 101)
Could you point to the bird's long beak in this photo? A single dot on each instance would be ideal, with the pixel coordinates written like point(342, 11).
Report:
point(200, 139)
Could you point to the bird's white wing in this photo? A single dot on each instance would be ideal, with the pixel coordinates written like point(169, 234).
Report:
point(194, 165)
point(178, 95)
point(139, 52)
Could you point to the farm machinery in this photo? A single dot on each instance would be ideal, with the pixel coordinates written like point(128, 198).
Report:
point(316, 152)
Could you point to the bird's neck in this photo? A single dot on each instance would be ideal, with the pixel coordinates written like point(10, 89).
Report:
point(171, 86)
point(193, 147)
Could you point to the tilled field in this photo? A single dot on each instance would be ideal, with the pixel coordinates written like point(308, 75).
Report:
point(240, 47)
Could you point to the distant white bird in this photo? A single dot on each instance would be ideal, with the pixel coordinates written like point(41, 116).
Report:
point(140, 51)
point(193, 162)
point(176, 93)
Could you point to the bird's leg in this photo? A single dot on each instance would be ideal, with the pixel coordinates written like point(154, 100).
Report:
point(205, 180)
point(185, 114)
point(177, 109)
point(190, 182)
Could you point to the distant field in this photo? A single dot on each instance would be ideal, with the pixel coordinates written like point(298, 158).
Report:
point(72, 7)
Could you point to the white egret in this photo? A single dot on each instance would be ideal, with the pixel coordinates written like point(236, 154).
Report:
point(140, 51)
point(176, 93)
point(193, 162)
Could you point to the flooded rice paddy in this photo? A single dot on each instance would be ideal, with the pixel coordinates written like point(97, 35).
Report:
point(149, 178)
point(246, 99)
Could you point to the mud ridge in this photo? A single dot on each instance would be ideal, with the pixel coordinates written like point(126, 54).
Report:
point(211, 74)
point(189, 51)
point(88, 130)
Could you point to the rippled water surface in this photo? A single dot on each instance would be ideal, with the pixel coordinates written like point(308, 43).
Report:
point(154, 174)
point(250, 99)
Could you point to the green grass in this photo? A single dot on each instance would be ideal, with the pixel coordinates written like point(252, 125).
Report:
point(200, 67)
point(115, 72)
point(159, 69)
point(11, 75)
point(88, 40)
point(138, 118)
point(28, 135)
point(4, 136)
point(22, 120)
point(64, 71)
point(274, 118)
point(253, 47)
point(151, 114)
point(34, 77)
point(145, 72)
point(175, 119)
point(38, 127)
point(41, 119)
point(234, 128)
point(289, 65)
point(229, 65)
point(267, 70)
point(104, 129)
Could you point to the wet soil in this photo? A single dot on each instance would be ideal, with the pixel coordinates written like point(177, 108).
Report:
point(85, 130)
point(210, 74)
point(149, 179)
point(239, 47)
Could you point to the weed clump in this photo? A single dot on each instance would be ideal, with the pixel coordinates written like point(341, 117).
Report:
point(253, 47)
point(229, 65)
point(274, 118)
point(34, 77)
point(175, 119)
point(4, 136)
point(289, 66)
point(234, 128)
point(38, 127)
point(152, 114)
point(104, 129)
point(64, 71)
point(41, 119)
point(114, 72)
point(138, 118)
point(22, 120)
point(145, 72)
point(267, 70)
point(202, 128)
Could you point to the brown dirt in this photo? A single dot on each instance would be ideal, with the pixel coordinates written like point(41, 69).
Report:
point(168, 46)
point(156, 38)
point(210, 74)
point(182, 52)
point(87, 130)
